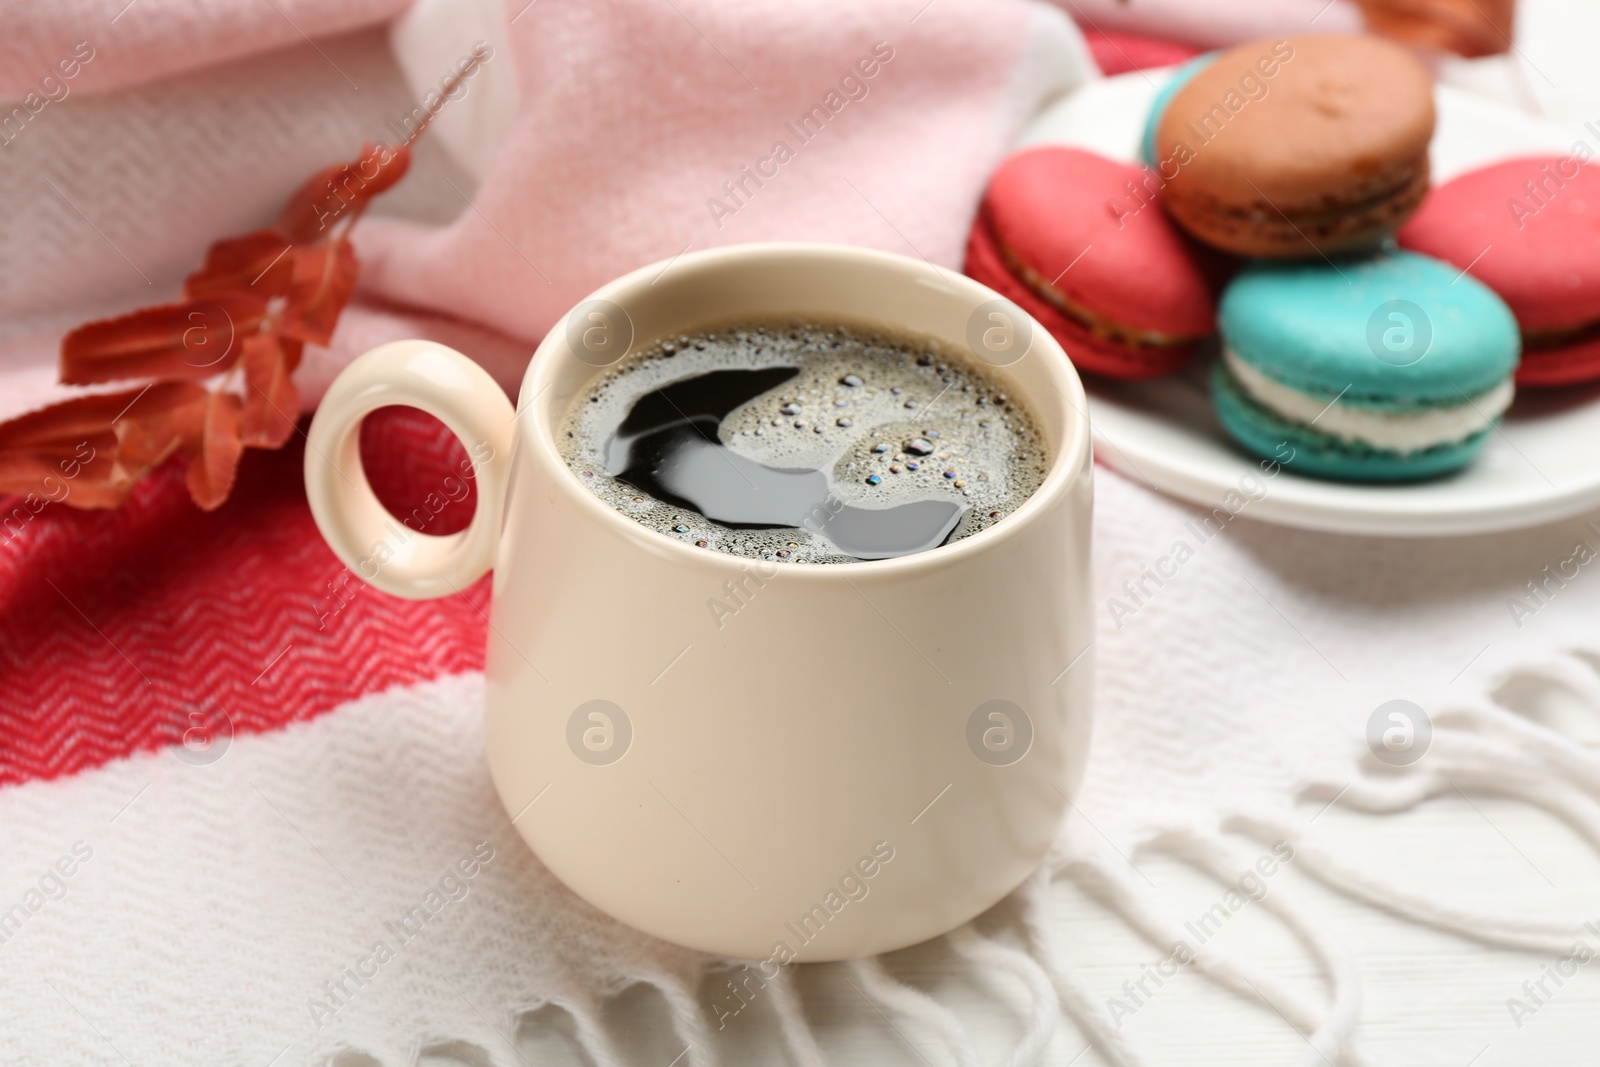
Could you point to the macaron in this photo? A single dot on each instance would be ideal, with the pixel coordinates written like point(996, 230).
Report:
point(1181, 76)
point(1529, 229)
point(1298, 147)
point(1379, 369)
point(1078, 241)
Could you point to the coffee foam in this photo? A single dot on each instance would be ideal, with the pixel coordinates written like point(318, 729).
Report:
point(946, 426)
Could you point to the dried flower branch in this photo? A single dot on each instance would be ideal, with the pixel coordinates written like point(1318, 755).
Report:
point(245, 318)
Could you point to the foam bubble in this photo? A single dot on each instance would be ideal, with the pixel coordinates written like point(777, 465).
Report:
point(891, 417)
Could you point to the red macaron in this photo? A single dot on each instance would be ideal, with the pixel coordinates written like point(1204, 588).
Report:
point(1530, 230)
point(1079, 242)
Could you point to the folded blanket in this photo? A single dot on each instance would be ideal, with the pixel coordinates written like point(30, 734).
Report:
point(636, 125)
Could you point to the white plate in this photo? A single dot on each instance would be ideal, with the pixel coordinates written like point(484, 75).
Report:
point(1543, 464)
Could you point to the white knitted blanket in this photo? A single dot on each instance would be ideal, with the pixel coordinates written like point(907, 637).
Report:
point(351, 884)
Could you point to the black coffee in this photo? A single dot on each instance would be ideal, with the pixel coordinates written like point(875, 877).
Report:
point(806, 442)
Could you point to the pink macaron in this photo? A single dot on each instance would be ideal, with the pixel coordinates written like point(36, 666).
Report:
point(1080, 242)
point(1529, 229)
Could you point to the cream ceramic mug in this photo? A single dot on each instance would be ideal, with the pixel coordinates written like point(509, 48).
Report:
point(864, 755)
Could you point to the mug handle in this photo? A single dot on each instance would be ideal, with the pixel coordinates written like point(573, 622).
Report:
point(366, 538)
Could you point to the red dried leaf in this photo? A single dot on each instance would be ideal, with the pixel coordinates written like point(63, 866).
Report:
point(158, 423)
point(324, 278)
point(66, 451)
point(85, 478)
point(214, 453)
point(271, 403)
point(96, 485)
point(68, 421)
point(90, 451)
point(188, 341)
point(292, 351)
point(341, 192)
point(256, 263)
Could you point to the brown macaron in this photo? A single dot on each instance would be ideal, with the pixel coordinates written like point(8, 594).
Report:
point(1299, 146)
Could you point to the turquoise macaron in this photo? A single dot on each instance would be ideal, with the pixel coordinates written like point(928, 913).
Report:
point(1158, 107)
point(1386, 368)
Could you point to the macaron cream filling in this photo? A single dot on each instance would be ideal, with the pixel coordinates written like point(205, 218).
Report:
point(1392, 430)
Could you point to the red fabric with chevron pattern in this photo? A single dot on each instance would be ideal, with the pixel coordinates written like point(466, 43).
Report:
point(115, 626)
